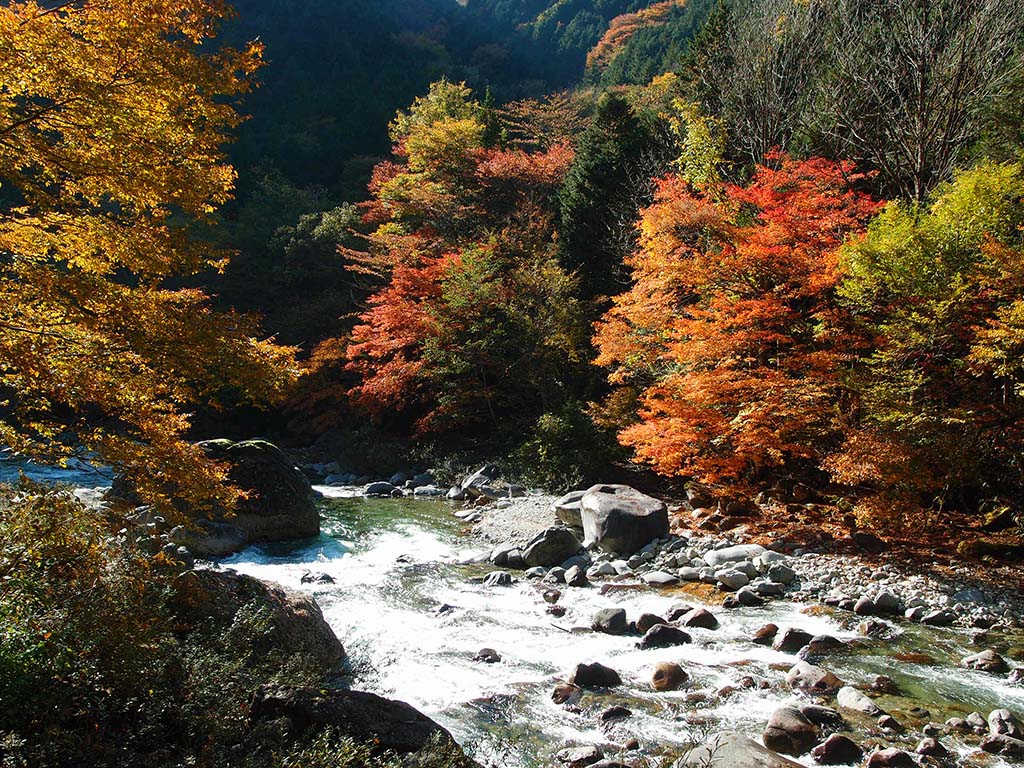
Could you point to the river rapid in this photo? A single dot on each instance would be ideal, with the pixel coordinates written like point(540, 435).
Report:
point(407, 603)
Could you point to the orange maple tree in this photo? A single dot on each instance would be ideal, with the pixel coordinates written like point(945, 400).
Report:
point(730, 335)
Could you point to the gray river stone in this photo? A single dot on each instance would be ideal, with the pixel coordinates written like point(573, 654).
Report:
point(659, 579)
point(551, 547)
point(730, 749)
point(781, 573)
point(733, 554)
point(621, 519)
point(732, 579)
point(380, 488)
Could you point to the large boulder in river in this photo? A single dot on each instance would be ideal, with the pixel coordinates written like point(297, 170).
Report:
point(390, 726)
point(729, 749)
point(279, 499)
point(278, 503)
point(551, 547)
point(294, 625)
point(621, 519)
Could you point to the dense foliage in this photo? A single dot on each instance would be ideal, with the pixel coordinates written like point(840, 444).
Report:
point(936, 292)
point(112, 117)
point(728, 332)
point(477, 326)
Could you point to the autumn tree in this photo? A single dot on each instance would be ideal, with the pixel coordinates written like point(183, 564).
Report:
point(936, 289)
point(475, 329)
point(728, 335)
point(112, 118)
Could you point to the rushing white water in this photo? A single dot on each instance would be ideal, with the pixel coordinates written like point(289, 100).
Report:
point(396, 563)
point(405, 603)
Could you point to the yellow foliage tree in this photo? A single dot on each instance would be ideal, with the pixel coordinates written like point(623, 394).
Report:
point(112, 118)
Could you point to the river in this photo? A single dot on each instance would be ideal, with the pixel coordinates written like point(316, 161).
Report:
point(398, 563)
point(408, 604)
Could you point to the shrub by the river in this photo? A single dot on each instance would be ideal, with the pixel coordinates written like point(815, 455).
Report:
point(96, 670)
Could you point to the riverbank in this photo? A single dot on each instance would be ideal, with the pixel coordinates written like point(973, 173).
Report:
point(863, 586)
point(830, 567)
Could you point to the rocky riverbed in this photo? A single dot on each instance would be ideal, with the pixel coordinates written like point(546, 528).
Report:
point(871, 595)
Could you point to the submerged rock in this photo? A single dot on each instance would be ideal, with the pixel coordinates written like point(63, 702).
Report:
point(615, 713)
point(852, 699)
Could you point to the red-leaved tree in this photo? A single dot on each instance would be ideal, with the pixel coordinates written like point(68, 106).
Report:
point(730, 335)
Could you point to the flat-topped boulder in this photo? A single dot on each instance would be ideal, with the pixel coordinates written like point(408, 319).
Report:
point(621, 519)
